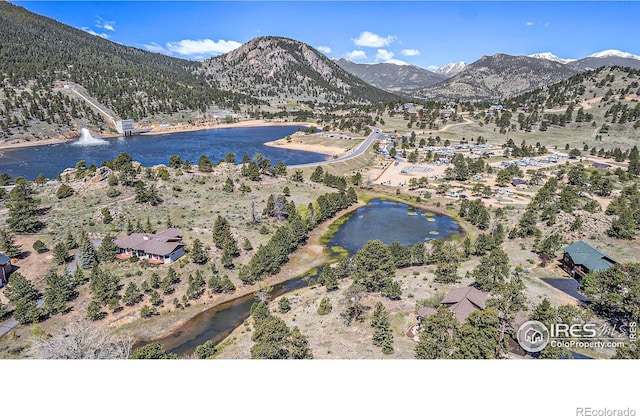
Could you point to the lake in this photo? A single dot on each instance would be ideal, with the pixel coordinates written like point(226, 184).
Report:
point(390, 221)
point(379, 219)
point(150, 150)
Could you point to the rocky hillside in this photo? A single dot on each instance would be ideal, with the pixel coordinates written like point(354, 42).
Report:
point(39, 55)
point(275, 68)
point(497, 77)
point(400, 79)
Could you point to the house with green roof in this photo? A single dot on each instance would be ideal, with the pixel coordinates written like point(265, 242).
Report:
point(580, 258)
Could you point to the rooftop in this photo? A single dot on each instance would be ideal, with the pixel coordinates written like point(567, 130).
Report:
point(583, 254)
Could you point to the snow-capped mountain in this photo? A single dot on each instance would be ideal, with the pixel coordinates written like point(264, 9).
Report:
point(550, 57)
point(449, 70)
point(614, 53)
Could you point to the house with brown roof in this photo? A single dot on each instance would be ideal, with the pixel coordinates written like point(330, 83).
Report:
point(164, 247)
point(462, 301)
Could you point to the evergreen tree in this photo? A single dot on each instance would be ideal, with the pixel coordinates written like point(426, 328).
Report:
point(198, 254)
point(509, 300)
point(228, 186)
point(132, 294)
point(59, 290)
point(299, 348)
point(373, 266)
point(220, 229)
point(153, 351)
point(382, 336)
point(206, 350)
point(8, 244)
point(23, 208)
point(94, 311)
point(88, 256)
point(107, 249)
point(205, 164)
point(60, 253)
point(284, 305)
point(477, 338)
point(154, 280)
point(23, 294)
point(325, 306)
point(393, 291)
point(492, 270)
point(437, 339)
point(196, 285)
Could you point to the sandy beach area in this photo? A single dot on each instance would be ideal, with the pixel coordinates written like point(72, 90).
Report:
point(307, 147)
point(16, 144)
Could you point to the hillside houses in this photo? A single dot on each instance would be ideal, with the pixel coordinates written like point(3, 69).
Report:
point(161, 248)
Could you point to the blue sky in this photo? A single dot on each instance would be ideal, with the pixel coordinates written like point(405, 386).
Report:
point(423, 33)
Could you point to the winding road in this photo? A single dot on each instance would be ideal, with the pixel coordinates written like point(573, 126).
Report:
point(375, 134)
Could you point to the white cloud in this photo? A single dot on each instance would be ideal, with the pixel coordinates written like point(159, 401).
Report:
point(546, 25)
point(383, 55)
point(91, 32)
point(324, 49)
point(432, 67)
point(410, 52)
point(356, 55)
point(529, 23)
point(154, 47)
point(372, 40)
point(201, 48)
point(105, 24)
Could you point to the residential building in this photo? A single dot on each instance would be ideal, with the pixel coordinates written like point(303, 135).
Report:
point(462, 301)
point(5, 269)
point(161, 248)
point(580, 258)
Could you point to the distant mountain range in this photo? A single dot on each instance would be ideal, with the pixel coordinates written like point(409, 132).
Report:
point(490, 78)
point(402, 79)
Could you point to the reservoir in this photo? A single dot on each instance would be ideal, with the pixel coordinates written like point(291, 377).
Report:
point(150, 150)
point(379, 219)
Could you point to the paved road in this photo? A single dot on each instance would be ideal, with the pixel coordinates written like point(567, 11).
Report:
point(11, 323)
point(375, 134)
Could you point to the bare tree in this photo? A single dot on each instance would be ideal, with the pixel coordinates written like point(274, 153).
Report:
point(81, 341)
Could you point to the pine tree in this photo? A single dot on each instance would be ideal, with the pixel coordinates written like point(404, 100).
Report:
point(23, 294)
point(155, 299)
point(23, 208)
point(383, 335)
point(88, 256)
point(198, 255)
point(59, 290)
point(325, 306)
point(108, 248)
point(94, 311)
point(220, 229)
point(284, 305)
point(299, 348)
point(8, 245)
point(196, 285)
point(132, 294)
point(69, 241)
point(154, 280)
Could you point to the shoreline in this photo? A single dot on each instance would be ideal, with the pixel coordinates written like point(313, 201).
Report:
point(313, 148)
point(64, 138)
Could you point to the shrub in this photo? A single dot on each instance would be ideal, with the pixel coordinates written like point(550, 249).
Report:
point(40, 247)
point(64, 191)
